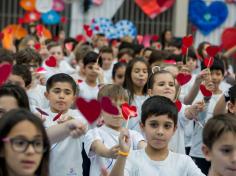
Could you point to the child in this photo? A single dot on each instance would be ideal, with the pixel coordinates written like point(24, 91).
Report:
point(219, 145)
point(89, 88)
point(65, 155)
point(158, 122)
point(118, 73)
point(126, 54)
point(6, 56)
point(136, 76)
point(24, 145)
point(101, 144)
point(147, 52)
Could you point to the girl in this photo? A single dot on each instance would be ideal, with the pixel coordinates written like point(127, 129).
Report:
point(24, 145)
point(166, 38)
point(136, 76)
point(219, 145)
point(118, 73)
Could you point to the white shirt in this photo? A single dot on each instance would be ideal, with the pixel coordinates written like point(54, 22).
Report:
point(110, 138)
point(139, 164)
point(108, 76)
point(65, 156)
point(87, 91)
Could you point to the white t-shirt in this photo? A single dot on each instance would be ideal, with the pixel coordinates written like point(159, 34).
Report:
point(110, 138)
point(185, 89)
point(87, 91)
point(108, 76)
point(139, 164)
point(65, 156)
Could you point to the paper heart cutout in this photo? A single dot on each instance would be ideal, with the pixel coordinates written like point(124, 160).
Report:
point(155, 38)
point(63, 20)
point(140, 39)
point(187, 41)
point(208, 62)
point(183, 78)
point(184, 50)
point(86, 27)
point(96, 28)
point(69, 46)
point(42, 112)
point(108, 107)
point(207, 18)
point(212, 50)
point(178, 105)
point(205, 91)
point(128, 111)
point(1, 35)
point(41, 70)
point(80, 38)
point(21, 20)
point(227, 36)
point(37, 46)
point(79, 81)
point(85, 108)
point(39, 29)
point(170, 61)
point(51, 61)
point(5, 70)
point(57, 116)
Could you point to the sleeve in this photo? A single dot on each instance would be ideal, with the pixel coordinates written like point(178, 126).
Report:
point(182, 119)
point(192, 169)
point(136, 138)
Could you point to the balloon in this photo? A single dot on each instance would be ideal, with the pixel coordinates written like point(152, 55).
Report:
point(28, 5)
point(58, 5)
point(31, 17)
point(51, 18)
point(43, 6)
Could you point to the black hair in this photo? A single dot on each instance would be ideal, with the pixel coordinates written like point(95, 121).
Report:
point(22, 71)
point(159, 105)
point(232, 94)
point(61, 77)
point(90, 57)
point(157, 55)
point(28, 55)
point(116, 67)
point(17, 92)
point(218, 64)
point(12, 118)
point(192, 54)
point(6, 56)
point(163, 41)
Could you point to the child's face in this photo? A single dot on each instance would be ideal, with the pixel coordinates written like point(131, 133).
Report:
point(217, 77)
point(101, 41)
point(191, 64)
point(107, 59)
point(223, 155)
point(7, 103)
point(18, 161)
point(17, 80)
point(126, 57)
point(164, 85)
point(139, 74)
point(90, 71)
point(61, 96)
point(56, 51)
point(120, 76)
point(147, 54)
point(158, 131)
point(31, 44)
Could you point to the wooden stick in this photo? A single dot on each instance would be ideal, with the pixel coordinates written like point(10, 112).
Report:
point(127, 123)
point(178, 93)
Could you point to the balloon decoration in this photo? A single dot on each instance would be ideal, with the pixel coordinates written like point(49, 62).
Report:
point(28, 5)
point(58, 5)
point(207, 18)
point(43, 6)
point(31, 17)
point(152, 8)
point(51, 18)
point(120, 29)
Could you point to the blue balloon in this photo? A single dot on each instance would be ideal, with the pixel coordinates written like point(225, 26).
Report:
point(207, 18)
point(51, 18)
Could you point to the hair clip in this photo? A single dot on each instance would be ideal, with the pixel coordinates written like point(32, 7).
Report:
point(156, 69)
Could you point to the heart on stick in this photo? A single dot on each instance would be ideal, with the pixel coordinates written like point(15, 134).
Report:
point(183, 78)
point(187, 41)
point(184, 50)
point(37, 46)
point(208, 62)
point(5, 70)
point(51, 61)
point(41, 112)
point(128, 111)
point(85, 108)
point(108, 107)
point(178, 105)
point(205, 91)
point(212, 50)
point(57, 116)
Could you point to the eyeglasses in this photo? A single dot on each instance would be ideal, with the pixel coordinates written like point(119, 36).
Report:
point(21, 145)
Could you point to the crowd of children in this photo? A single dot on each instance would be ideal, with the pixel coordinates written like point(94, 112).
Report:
point(178, 130)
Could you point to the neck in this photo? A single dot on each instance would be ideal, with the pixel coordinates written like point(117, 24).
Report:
point(12, 173)
point(157, 154)
point(57, 111)
point(114, 128)
point(217, 91)
point(91, 83)
point(138, 90)
point(212, 172)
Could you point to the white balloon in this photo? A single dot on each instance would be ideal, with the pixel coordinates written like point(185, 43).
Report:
point(43, 6)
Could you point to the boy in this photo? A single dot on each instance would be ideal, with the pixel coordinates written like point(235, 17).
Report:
point(158, 122)
point(101, 144)
point(89, 88)
point(65, 156)
point(219, 144)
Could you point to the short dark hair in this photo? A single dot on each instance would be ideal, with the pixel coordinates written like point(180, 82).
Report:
point(216, 127)
point(53, 44)
point(106, 49)
point(22, 71)
point(124, 51)
point(159, 105)
point(116, 67)
point(61, 77)
point(157, 55)
point(8, 121)
point(232, 94)
point(6, 56)
point(26, 56)
point(201, 47)
point(90, 57)
point(218, 64)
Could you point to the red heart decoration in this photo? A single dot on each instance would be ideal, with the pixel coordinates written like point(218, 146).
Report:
point(20, 20)
point(140, 39)
point(69, 46)
point(42, 112)
point(170, 61)
point(208, 62)
point(51, 61)
point(96, 28)
point(63, 20)
point(5, 70)
point(184, 50)
point(89, 33)
point(227, 36)
point(128, 111)
point(187, 41)
point(212, 50)
point(86, 27)
point(57, 116)
point(178, 105)
point(37, 46)
point(155, 38)
point(80, 38)
point(1, 35)
point(39, 29)
point(79, 80)
point(41, 70)
point(108, 107)
point(85, 109)
point(183, 78)
point(205, 91)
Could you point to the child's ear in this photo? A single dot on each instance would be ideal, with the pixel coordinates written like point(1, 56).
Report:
point(141, 126)
point(150, 92)
point(231, 108)
point(206, 151)
point(46, 94)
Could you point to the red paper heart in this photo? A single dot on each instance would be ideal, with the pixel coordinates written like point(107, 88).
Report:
point(187, 41)
point(155, 38)
point(212, 50)
point(205, 91)
point(80, 38)
point(57, 116)
point(79, 80)
point(51, 61)
point(37, 46)
point(85, 108)
point(183, 78)
point(128, 111)
point(108, 107)
point(184, 50)
point(1, 35)
point(208, 62)
point(5, 70)
point(227, 36)
point(63, 19)
point(39, 29)
point(41, 70)
point(42, 112)
point(178, 105)
point(86, 27)
point(20, 20)
point(89, 33)
point(96, 28)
